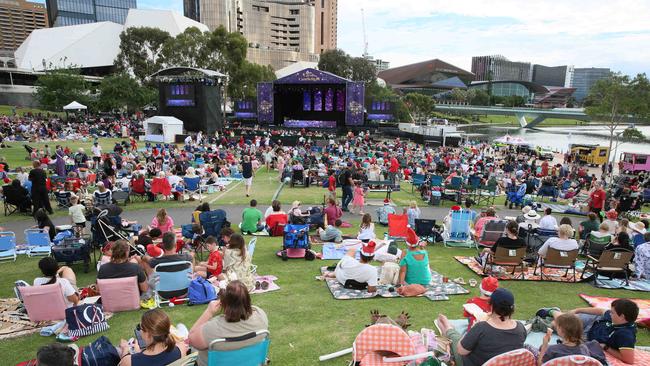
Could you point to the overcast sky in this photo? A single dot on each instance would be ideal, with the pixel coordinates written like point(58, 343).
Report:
point(583, 33)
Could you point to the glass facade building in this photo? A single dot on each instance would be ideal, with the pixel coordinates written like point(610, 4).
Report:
point(584, 78)
point(72, 12)
point(498, 68)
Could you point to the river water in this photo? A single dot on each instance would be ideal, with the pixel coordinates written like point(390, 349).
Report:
point(559, 138)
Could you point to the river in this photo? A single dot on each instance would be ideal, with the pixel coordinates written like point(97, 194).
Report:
point(559, 138)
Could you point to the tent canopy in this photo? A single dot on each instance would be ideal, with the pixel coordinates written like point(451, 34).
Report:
point(510, 140)
point(74, 106)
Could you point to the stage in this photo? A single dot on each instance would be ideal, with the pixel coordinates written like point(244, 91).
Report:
point(311, 99)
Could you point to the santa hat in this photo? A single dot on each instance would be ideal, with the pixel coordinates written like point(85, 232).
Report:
point(386, 201)
point(368, 249)
point(154, 251)
point(411, 237)
point(455, 208)
point(489, 285)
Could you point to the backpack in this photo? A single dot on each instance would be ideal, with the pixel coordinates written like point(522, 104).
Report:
point(100, 353)
point(201, 291)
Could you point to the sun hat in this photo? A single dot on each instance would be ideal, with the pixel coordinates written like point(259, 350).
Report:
point(531, 215)
point(368, 249)
point(502, 297)
point(638, 227)
point(612, 214)
point(525, 209)
point(489, 285)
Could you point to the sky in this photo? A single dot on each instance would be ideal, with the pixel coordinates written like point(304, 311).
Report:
point(583, 33)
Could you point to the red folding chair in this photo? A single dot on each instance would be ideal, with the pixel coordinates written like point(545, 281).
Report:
point(397, 226)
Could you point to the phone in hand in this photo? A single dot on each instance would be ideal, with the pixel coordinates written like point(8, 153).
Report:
point(138, 337)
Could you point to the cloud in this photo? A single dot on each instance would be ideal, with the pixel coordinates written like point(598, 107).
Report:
point(596, 33)
point(176, 5)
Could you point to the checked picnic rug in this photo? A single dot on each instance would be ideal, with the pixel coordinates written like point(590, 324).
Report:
point(504, 273)
point(602, 302)
point(436, 291)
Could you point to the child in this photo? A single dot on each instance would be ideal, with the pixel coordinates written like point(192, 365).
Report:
point(569, 328)
point(488, 285)
point(163, 221)
point(226, 233)
point(358, 199)
point(413, 213)
point(214, 265)
point(76, 212)
point(237, 263)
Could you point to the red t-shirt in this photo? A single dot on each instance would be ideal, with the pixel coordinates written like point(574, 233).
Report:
point(331, 183)
point(394, 165)
point(598, 198)
point(215, 258)
point(484, 304)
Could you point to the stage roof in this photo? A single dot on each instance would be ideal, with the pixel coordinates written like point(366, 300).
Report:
point(312, 76)
point(295, 67)
point(181, 70)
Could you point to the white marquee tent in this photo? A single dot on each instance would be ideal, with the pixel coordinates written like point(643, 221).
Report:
point(74, 106)
point(162, 129)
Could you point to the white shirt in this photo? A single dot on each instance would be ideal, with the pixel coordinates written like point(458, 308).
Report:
point(367, 233)
point(66, 287)
point(351, 269)
point(548, 222)
point(77, 213)
point(96, 150)
point(559, 244)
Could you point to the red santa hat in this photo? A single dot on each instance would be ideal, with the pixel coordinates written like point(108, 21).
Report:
point(368, 249)
point(455, 208)
point(386, 201)
point(154, 251)
point(411, 237)
point(489, 285)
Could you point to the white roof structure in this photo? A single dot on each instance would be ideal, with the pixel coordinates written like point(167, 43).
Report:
point(295, 67)
point(83, 45)
point(74, 106)
point(170, 21)
point(92, 44)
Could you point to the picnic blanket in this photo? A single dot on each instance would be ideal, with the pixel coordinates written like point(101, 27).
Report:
point(602, 302)
point(16, 323)
point(563, 209)
point(272, 285)
point(641, 358)
point(615, 283)
point(330, 251)
point(436, 291)
point(504, 273)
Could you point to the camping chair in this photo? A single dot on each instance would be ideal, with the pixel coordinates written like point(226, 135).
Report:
point(7, 246)
point(610, 262)
point(212, 222)
point(43, 303)
point(119, 294)
point(38, 242)
point(397, 226)
point(172, 279)
point(193, 186)
point(458, 233)
point(250, 354)
point(486, 196)
point(12, 201)
point(63, 199)
point(424, 228)
point(518, 357)
point(102, 199)
point(473, 185)
point(297, 177)
point(573, 360)
point(249, 252)
point(139, 189)
point(418, 181)
point(537, 238)
point(560, 259)
point(505, 257)
point(120, 196)
point(453, 189)
point(492, 231)
point(594, 245)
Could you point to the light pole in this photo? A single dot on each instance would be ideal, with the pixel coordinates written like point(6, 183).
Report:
point(618, 136)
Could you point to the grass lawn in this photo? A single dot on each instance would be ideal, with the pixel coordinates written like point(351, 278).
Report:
point(7, 110)
point(511, 120)
point(305, 321)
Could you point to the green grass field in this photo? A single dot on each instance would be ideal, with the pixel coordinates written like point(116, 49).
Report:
point(511, 120)
point(7, 110)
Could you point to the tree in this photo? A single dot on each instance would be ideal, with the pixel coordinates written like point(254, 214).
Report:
point(57, 88)
point(633, 134)
point(362, 70)
point(187, 49)
point(459, 95)
point(226, 51)
point(244, 82)
point(337, 62)
point(141, 51)
point(119, 91)
point(420, 105)
point(478, 97)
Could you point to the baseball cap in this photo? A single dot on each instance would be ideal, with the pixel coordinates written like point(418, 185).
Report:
point(502, 297)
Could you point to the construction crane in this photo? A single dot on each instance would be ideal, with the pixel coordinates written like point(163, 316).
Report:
point(365, 38)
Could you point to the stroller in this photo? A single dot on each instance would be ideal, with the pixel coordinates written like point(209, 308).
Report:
point(106, 226)
point(515, 196)
point(295, 243)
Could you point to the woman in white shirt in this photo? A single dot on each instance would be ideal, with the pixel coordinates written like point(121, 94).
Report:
point(64, 275)
point(366, 229)
point(564, 242)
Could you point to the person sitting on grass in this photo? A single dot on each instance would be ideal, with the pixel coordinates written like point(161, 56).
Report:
point(236, 263)
point(251, 219)
point(214, 266)
point(587, 226)
point(63, 275)
point(366, 229)
point(384, 211)
point(497, 335)
point(161, 347)
point(613, 329)
point(414, 265)
point(569, 328)
point(230, 316)
point(331, 233)
point(357, 274)
point(275, 217)
point(487, 287)
point(162, 221)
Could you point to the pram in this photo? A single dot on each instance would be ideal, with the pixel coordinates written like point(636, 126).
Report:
point(106, 225)
point(458, 234)
point(515, 196)
point(295, 242)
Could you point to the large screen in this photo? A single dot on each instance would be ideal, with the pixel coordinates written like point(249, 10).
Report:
point(180, 95)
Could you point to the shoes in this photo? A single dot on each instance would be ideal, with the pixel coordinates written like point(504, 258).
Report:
point(459, 281)
point(64, 338)
point(261, 285)
point(473, 282)
point(148, 304)
point(546, 312)
point(319, 278)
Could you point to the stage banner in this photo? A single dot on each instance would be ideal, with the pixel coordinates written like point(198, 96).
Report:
point(265, 103)
point(354, 105)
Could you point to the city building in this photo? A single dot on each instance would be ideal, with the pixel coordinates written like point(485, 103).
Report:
point(279, 32)
point(585, 78)
point(71, 12)
point(380, 65)
point(18, 18)
point(553, 75)
point(428, 77)
point(534, 94)
point(498, 68)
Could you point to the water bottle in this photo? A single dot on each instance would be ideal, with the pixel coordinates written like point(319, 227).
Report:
point(385, 236)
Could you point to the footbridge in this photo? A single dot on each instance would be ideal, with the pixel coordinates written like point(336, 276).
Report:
point(535, 115)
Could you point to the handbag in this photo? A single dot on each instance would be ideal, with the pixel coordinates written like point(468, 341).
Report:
point(100, 353)
point(87, 319)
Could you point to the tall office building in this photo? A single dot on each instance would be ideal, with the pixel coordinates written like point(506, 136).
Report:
point(585, 78)
point(499, 68)
point(326, 25)
point(72, 12)
point(553, 75)
point(18, 18)
point(279, 32)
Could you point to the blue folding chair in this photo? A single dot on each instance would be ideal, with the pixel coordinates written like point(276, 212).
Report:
point(193, 186)
point(458, 234)
point(418, 180)
point(7, 246)
point(38, 242)
point(170, 280)
point(252, 355)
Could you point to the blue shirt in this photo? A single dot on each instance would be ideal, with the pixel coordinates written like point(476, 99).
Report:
point(163, 358)
point(621, 336)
